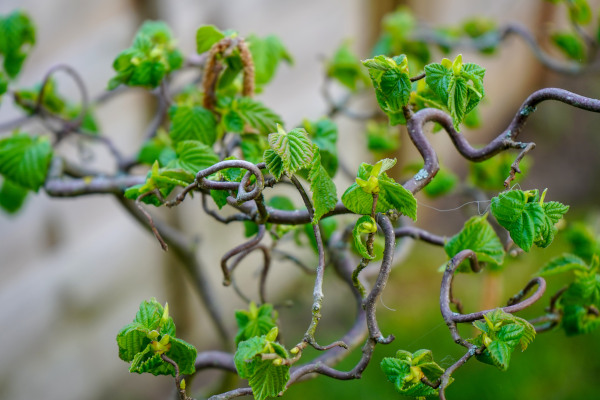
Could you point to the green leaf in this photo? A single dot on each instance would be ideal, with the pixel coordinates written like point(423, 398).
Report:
point(274, 163)
point(478, 236)
point(269, 380)
point(253, 147)
point(391, 82)
point(576, 320)
point(346, 68)
point(17, 36)
point(391, 194)
point(571, 45)
point(267, 53)
point(579, 11)
point(582, 241)
point(12, 196)
point(132, 339)
point(206, 36)
point(193, 156)
point(294, 148)
point(324, 192)
point(457, 100)
point(159, 148)
point(192, 123)
point(500, 354)
point(564, 263)
point(184, 354)
point(3, 84)
point(254, 322)
point(525, 219)
point(364, 224)
point(491, 173)
point(442, 183)
point(151, 56)
point(25, 159)
point(324, 133)
point(257, 115)
point(381, 138)
point(438, 78)
point(406, 370)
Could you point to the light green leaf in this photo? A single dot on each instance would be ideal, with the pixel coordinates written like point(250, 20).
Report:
point(391, 82)
point(571, 45)
point(324, 134)
point(438, 78)
point(499, 351)
point(564, 263)
point(17, 37)
point(257, 115)
point(580, 11)
point(12, 196)
point(364, 224)
point(269, 380)
point(192, 123)
point(346, 68)
point(479, 236)
point(184, 354)
point(294, 148)
point(457, 100)
point(324, 192)
point(555, 210)
point(274, 163)
point(193, 156)
point(267, 53)
point(25, 159)
point(381, 138)
point(255, 322)
point(406, 370)
point(206, 36)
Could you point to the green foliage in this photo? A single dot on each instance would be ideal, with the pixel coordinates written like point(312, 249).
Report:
point(392, 84)
point(527, 218)
point(478, 27)
point(372, 179)
point(571, 45)
point(479, 236)
point(192, 123)
point(267, 54)
point(257, 321)
point(564, 263)
point(364, 224)
point(324, 133)
point(12, 196)
point(151, 334)
point(290, 151)
point(24, 159)
point(442, 183)
point(583, 241)
point(193, 156)
point(579, 11)
point(151, 56)
point(3, 84)
point(381, 137)
point(346, 68)
point(17, 36)
point(407, 369)
point(159, 148)
point(459, 86)
point(324, 192)
point(266, 377)
point(162, 180)
point(244, 115)
point(206, 37)
point(501, 333)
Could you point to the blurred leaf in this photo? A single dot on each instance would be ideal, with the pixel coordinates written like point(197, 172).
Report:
point(570, 45)
point(24, 159)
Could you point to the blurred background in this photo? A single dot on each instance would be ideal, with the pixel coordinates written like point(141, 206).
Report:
point(73, 271)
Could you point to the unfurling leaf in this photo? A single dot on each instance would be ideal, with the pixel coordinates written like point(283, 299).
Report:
point(294, 148)
point(364, 224)
point(407, 369)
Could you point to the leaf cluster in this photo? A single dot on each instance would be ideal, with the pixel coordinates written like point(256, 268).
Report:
point(150, 58)
point(501, 333)
point(151, 334)
point(406, 370)
point(527, 218)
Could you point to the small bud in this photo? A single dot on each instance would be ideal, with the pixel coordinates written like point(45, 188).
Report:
point(457, 65)
point(295, 350)
point(152, 335)
point(165, 316)
point(182, 384)
point(135, 61)
point(277, 362)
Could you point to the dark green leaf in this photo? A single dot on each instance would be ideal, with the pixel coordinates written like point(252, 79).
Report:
point(17, 36)
point(479, 236)
point(438, 79)
point(571, 45)
point(193, 123)
point(324, 192)
point(24, 159)
point(12, 196)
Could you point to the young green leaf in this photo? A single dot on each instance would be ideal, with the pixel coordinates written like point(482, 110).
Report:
point(159, 148)
point(12, 196)
point(24, 159)
point(193, 156)
point(346, 68)
point(571, 45)
point(294, 148)
point(192, 123)
point(324, 192)
point(391, 82)
point(259, 117)
point(17, 36)
point(579, 11)
point(364, 224)
point(274, 163)
point(406, 370)
point(206, 36)
point(500, 353)
point(380, 138)
point(267, 53)
point(479, 236)
point(564, 263)
point(324, 133)
point(257, 321)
